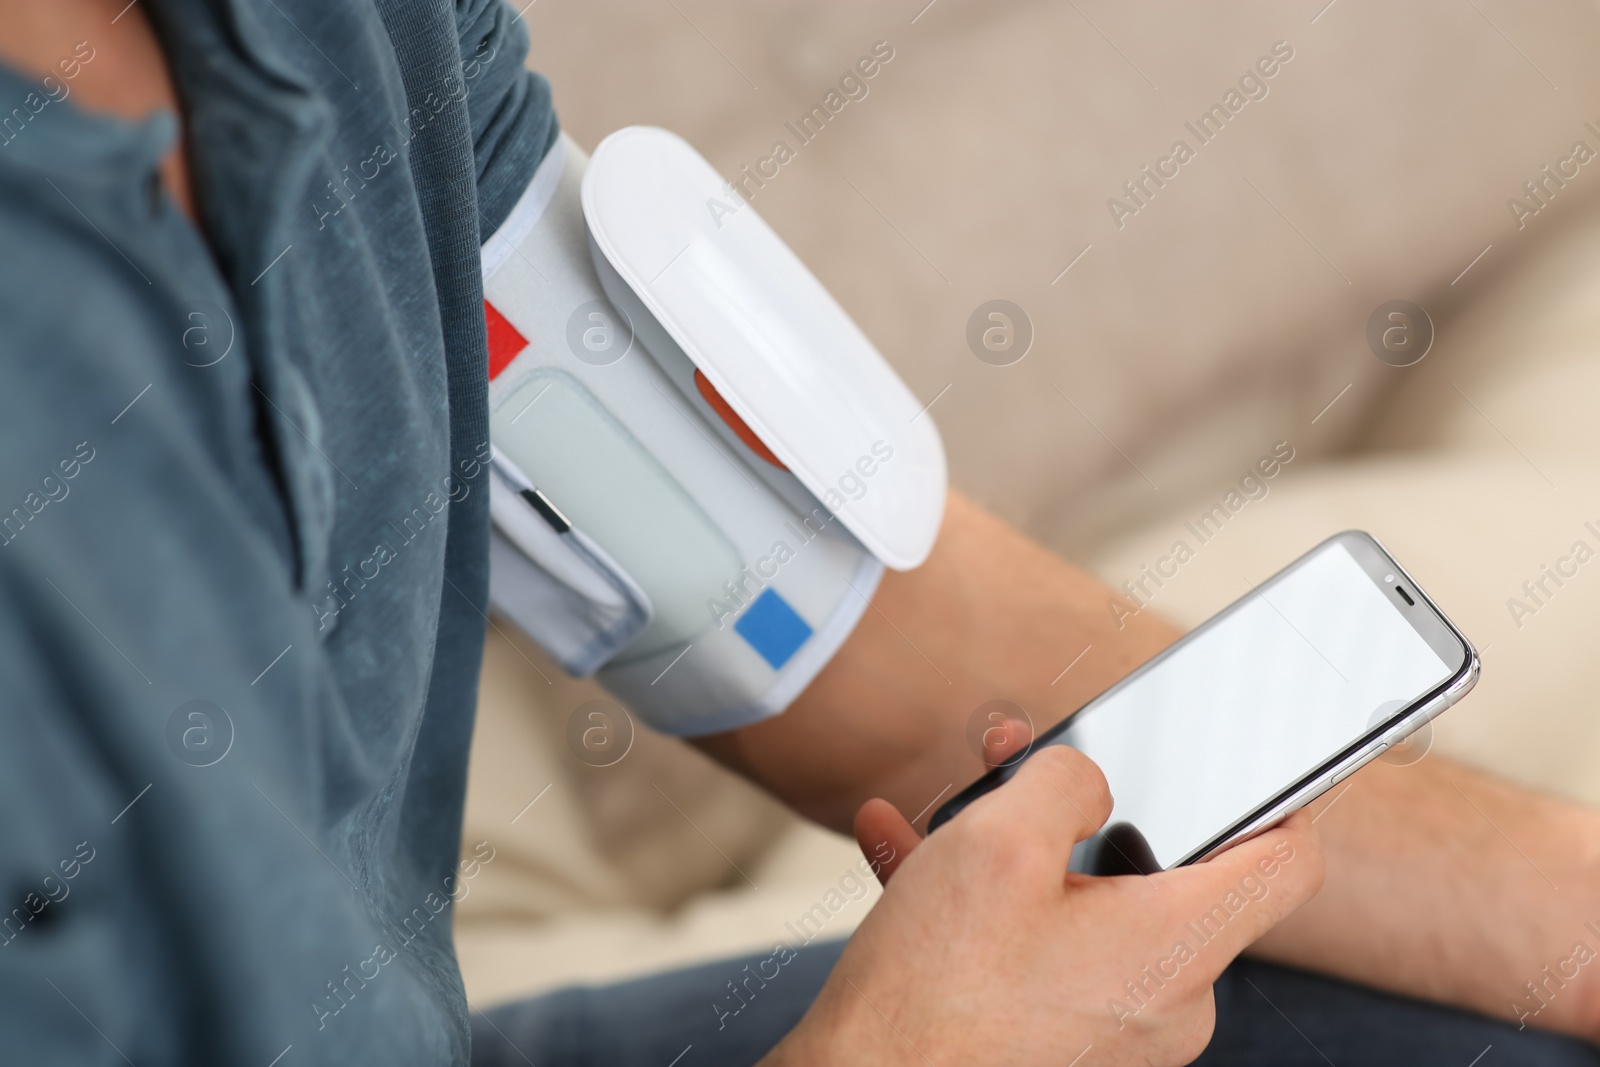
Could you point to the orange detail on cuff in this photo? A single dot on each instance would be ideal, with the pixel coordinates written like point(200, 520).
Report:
point(735, 423)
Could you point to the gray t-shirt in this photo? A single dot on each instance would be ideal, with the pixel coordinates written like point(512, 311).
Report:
point(243, 534)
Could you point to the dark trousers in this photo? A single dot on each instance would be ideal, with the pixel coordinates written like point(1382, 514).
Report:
point(1266, 1015)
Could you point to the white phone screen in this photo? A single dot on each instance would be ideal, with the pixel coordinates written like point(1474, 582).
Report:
point(1253, 703)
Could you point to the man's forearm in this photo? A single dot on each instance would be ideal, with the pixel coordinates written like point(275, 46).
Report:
point(1448, 884)
point(991, 615)
point(1436, 882)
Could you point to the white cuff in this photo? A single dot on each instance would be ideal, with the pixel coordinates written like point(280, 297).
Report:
point(644, 532)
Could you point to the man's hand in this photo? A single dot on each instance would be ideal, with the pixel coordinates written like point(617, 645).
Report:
point(984, 950)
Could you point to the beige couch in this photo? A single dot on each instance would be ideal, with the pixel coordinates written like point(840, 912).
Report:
point(1224, 315)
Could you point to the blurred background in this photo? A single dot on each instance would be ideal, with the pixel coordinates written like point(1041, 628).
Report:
point(1164, 335)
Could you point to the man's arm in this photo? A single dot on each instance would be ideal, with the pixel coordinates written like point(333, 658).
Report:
point(1440, 880)
point(991, 615)
point(1449, 884)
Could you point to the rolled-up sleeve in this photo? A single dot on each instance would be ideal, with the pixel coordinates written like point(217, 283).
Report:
point(513, 120)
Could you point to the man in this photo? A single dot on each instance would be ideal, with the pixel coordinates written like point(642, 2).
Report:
point(241, 353)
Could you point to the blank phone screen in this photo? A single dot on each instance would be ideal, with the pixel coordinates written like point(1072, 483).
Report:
point(1244, 708)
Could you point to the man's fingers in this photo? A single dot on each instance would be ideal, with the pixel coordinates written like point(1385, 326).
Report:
point(885, 837)
point(1059, 792)
point(1234, 898)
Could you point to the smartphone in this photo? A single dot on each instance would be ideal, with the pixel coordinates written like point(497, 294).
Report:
point(1260, 710)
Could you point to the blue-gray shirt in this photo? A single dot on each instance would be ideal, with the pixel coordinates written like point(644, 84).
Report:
point(243, 534)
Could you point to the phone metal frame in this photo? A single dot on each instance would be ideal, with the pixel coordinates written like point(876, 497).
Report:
point(1442, 635)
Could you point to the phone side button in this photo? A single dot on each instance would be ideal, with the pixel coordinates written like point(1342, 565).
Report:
point(1347, 772)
